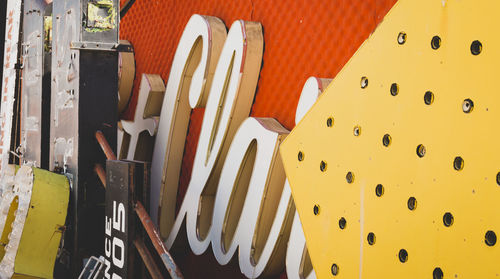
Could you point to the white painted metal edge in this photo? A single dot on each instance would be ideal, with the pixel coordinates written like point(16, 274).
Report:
point(9, 79)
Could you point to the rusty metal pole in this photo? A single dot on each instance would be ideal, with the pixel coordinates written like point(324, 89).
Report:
point(110, 155)
point(148, 260)
point(148, 224)
point(101, 173)
point(154, 235)
point(108, 151)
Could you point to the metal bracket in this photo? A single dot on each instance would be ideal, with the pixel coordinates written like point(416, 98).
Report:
point(94, 46)
point(93, 268)
point(102, 46)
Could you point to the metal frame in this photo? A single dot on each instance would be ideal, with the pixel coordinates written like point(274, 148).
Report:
point(83, 99)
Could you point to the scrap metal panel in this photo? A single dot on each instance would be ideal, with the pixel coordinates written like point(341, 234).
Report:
point(83, 100)
point(31, 86)
point(45, 225)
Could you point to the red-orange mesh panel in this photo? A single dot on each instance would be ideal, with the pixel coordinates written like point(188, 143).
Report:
point(302, 38)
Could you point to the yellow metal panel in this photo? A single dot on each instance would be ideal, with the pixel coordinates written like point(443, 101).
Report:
point(4, 239)
point(457, 70)
point(21, 276)
point(44, 226)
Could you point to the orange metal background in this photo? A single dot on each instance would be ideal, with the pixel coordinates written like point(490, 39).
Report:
point(302, 38)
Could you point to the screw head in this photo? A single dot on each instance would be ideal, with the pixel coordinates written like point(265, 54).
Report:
point(371, 238)
point(379, 190)
point(394, 89)
point(435, 42)
point(476, 47)
point(322, 166)
point(448, 219)
point(364, 82)
point(490, 238)
point(300, 156)
point(401, 38)
point(468, 105)
point(356, 131)
point(334, 269)
point(412, 203)
point(316, 209)
point(386, 140)
point(437, 273)
point(428, 98)
point(421, 150)
point(349, 177)
point(329, 122)
point(403, 255)
point(458, 163)
point(342, 223)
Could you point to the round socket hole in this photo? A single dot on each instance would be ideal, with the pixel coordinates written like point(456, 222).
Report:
point(412, 203)
point(371, 238)
point(300, 156)
point(428, 98)
point(421, 150)
point(329, 122)
point(448, 219)
point(335, 269)
point(394, 89)
point(342, 223)
point(401, 38)
point(364, 82)
point(379, 190)
point(322, 166)
point(349, 177)
point(490, 238)
point(435, 42)
point(356, 131)
point(458, 163)
point(498, 178)
point(316, 209)
point(476, 47)
point(386, 140)
point(437, 273)
point(403, 255)
point(468, 105)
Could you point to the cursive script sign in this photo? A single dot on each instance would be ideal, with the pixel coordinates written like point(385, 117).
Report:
point(238, 198)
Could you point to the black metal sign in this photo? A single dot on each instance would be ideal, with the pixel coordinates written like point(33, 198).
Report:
point(119, 183)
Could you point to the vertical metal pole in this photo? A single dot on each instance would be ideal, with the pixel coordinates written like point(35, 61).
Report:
point(31, 86)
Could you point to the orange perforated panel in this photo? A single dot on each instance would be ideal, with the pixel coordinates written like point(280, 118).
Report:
point(302, 38)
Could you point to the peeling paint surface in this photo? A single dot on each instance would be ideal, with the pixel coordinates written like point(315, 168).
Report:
point(63, 149)
point(20, 186)
point(101, 16)
point(64, 100)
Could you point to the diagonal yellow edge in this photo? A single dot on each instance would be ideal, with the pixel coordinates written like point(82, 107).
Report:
point(449, 233)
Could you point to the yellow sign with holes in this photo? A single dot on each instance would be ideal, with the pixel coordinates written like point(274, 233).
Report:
point(395, 170)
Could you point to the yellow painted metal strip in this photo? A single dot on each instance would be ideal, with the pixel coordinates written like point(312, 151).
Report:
point(44, 226)
point(415, 111)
